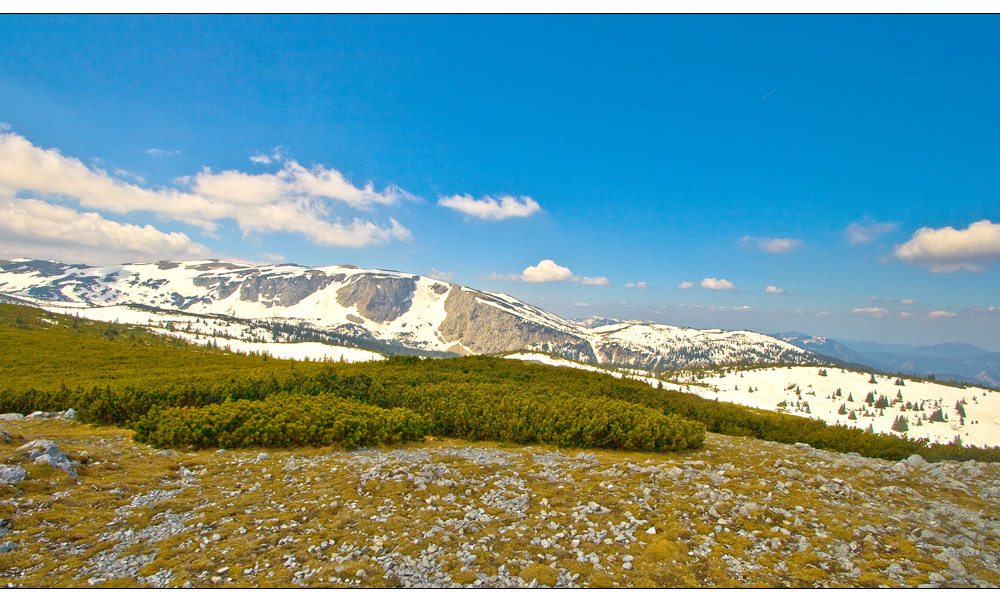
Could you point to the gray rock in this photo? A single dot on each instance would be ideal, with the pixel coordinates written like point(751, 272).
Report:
point(11, 475)
point(915, 461)
point(47, 452)
point(12, 416)
point(69, 414)
point(6, 546)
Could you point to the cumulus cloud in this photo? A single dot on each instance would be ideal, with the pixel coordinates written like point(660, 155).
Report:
point(950, 250)
point(439, 275)
point(293, 200)
point(867, 230)
point(636, 285)
point(35, 228)
point(720, 284)
point(770, 245)
point(938, 314)
point(546, 271)
point(874, 312)
point(774, 290)
point(490, 208)
point(685, 285)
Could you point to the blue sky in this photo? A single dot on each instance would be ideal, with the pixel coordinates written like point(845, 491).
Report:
point(590, 165)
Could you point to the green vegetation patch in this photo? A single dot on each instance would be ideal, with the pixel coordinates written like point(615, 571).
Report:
point(116, 375)
point(284, 420)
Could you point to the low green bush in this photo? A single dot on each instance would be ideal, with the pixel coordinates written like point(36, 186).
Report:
point(283, 420)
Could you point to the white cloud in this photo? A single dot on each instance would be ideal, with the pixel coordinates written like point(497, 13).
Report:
point(156, 152)
point(272, 257)
point(495, 277)
point(866, 230)
point(874, 312)
point(717, 284)
point(266, 159)
point(294, 200)
point(439, 275)
point(771, 245)
point(950, 250)
point(292, 183)
point(488, 208)
point(636, 285)
point(685, 285)
point(546, 271)
point(937, 315)
point(121, 173)
point(774, 290)
point(34, 228)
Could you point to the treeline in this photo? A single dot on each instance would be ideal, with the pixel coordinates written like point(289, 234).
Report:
point(475, 397)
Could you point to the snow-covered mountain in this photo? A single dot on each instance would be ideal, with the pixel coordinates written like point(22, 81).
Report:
point(377, 309)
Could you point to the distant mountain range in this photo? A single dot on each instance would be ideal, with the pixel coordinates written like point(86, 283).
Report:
point(381, 310)
point(946, 361)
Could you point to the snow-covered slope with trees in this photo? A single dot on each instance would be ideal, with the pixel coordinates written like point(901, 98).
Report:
point(917, 409)
point(378, 310)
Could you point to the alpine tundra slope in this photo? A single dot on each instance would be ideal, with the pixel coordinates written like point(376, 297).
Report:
point(252, 307)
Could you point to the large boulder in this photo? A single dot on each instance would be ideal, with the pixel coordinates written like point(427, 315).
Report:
point(12, 416)
point(44, 451)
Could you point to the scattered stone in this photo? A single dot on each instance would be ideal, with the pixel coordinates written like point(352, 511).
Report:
point(12, 416)
point(11, 475)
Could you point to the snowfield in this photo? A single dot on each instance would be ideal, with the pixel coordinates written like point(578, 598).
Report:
point(220, 333)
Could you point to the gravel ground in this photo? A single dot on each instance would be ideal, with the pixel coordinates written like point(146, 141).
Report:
point(453, 514)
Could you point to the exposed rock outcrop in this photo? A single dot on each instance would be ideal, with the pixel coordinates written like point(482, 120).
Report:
point(484, 328)
point(379, 298)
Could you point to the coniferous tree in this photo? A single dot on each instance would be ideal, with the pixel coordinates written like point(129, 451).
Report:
point(901, 424)
point(843, 409)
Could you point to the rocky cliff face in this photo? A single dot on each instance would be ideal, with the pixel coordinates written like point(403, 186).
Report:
point(484, 328)
point(379, 298)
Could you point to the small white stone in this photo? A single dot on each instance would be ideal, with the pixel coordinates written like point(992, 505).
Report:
point(651, 530)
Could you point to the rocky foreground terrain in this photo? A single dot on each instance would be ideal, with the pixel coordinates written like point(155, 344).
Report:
point(448, 513)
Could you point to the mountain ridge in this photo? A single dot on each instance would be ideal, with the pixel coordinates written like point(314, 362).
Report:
point(416, 312)
point(957, 361)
